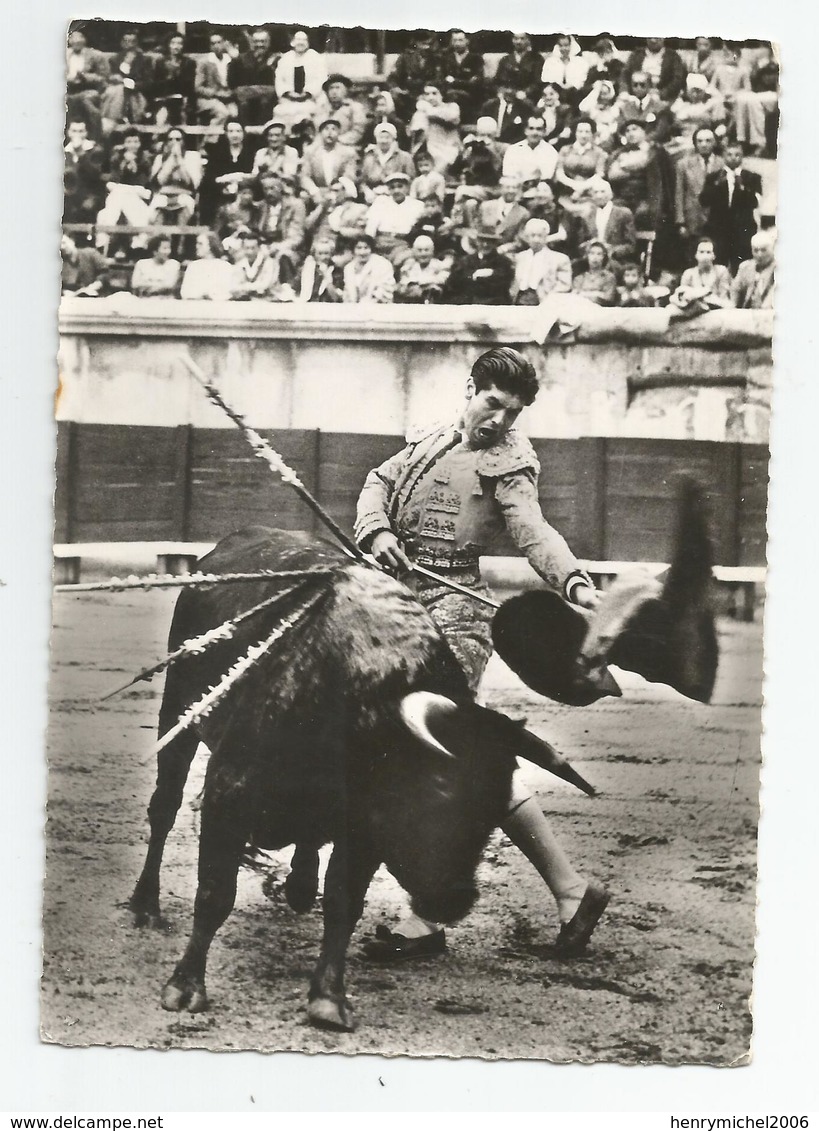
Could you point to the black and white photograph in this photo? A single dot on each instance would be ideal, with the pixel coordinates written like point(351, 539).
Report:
point(410, 541)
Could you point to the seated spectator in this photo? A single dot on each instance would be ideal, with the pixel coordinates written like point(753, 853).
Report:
point(82, 176)
point(444, 231)
point(300, 77)
point(209, 276)
point(252, 80)
point(428, 181)
point(705, 61)
point(214, 97)
point(478, 166)
point(275, 155)
point(689, 180)
point(368, 277)
point(730, 197)
point(483, 277)
point(174, 84)
point(541, 204)
point(731, 73)
point(128, 189)
point(392, 217)
point(326, 161)
point(631, 291)
point(608, 223)
point(663, 66)
point(434, 127)
point(228, 164)
point(340, 218)
point(82, 269)
point(336, 103)
point(566, 68)
point(383, 113)
point(556, 115)
point(86, 78)
point(238, 214)
point(461, 75)
point(578, 165)
point(422, 277)
point(157, 276)
point(605, 66)
point(753, 287)
point(642, 103)
point(256, 274)
point(539, 271)
point(706, 286)
point(699, 106)
point(281, 219)
point(505, 216)
point(518, 76)
point(322, 279)
point(598, 284)
point(751, 107)
point(509, 112)
point(382, 159)
point(175, 178)
point(532, 159)
point(602, 107)
point(129, 78)
point(414, 67)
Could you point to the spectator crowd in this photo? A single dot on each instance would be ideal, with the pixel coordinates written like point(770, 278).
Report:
point(240, 174)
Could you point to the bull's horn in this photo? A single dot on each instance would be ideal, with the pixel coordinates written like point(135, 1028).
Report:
point(418, 708)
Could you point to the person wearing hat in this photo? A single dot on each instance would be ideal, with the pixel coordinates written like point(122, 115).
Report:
point(602, 108)
point(422, 507)
point(341, 217)
point(326, 161)
point(381, 159)
point(414, 67)
point(461, 74)
point(392, 217)
point(483, 277)
point(700, 105)
point(664, 67)
point(275, 156)
point(335, 102)
point(566, 68)
point(478, 165)
point(604, 65)
point(382, 112)
point(281, 219)
point(642, 179)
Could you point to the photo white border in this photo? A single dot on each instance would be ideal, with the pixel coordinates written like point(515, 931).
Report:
point(783, 1075)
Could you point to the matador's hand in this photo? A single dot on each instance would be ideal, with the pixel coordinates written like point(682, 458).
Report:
point(585, 597)
point(387, 551)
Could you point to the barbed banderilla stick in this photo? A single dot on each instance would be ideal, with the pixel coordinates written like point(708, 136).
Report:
point(264, 451)
point(170, 581)
point(243, 665)
point(196, 645)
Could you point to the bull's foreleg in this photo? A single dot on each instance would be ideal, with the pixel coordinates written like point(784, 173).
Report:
point(352, 866)
point(224, 835)
point(173, 765)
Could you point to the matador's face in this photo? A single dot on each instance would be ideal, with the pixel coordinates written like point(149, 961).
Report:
point(488, 415)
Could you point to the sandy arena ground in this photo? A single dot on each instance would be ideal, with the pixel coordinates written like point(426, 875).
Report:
point(667, 978)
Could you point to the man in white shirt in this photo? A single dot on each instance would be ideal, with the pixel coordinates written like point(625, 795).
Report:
point(391, 219)
point(212, 87)
point(532, 159)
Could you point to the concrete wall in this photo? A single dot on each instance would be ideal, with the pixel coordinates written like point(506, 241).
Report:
point(380, 369)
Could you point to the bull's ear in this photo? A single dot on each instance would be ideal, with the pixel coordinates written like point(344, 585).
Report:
point(540, 637)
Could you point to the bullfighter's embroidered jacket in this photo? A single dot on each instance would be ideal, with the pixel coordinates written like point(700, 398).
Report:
point(447, 503)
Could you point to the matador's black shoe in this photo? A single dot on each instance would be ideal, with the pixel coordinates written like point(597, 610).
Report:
point(388, 946)
point(574, 936)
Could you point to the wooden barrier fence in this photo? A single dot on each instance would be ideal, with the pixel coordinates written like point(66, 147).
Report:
point(612, 498)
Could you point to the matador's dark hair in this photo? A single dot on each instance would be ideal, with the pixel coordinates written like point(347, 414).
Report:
point(506, 369)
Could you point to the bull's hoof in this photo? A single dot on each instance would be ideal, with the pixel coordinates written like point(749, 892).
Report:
point(325, 1013)
point(301, 889)
point(184, 993)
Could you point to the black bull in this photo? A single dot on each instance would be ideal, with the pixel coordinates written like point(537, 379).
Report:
point(358, 729)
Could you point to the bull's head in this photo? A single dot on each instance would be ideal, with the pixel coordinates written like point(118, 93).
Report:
point(442, 789)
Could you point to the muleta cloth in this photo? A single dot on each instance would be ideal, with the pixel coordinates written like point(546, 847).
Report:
point(664, 631)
